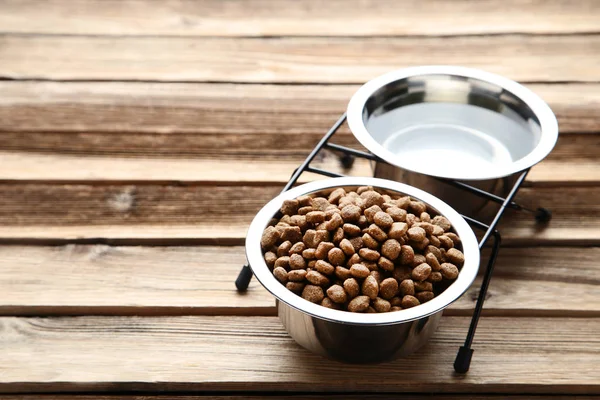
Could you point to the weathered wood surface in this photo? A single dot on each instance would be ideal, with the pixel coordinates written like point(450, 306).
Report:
point(100, 279)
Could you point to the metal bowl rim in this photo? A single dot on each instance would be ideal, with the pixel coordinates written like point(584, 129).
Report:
point(548, 122)
point(451, 294)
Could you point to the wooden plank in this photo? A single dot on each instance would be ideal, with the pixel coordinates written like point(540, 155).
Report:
point(104, 280)
point(113, 213)
point(324, 60)
point(555, 355)
point(228, 111)
point(306, 17)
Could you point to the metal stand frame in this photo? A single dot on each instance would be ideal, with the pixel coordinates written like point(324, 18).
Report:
point(347, 156)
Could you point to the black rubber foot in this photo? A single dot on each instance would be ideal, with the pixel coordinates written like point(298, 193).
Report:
point(243, 279)
point(543, 215)
point(463, 360)
point(347, 160)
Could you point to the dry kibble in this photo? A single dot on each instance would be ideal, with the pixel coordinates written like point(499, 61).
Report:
point(323, 249)
point(337, 294)
point(377, 276)
point(446, 242)
point(398, 230)
point(371, 198)
point(269, 237)
point(347, 247)
point(315, 217)
point(409, 301)
point(433, 262)
point(354, 259)
point(296, 275)
point(305, 210)
point(395, 308)
point(295, 287)
point(284, 248)
point(291, 233)
point(426, 226)
point(368, 254)
point(417, 207)
point(388, 288)
point(411, 219)
point(376, 232)
point(442, 222)
point(397, 214)
point(418, 259)
point(372, 265)
point(407, 287)
point(296, 261)
point(286, 219)
point(309, 254)
point(359, 271)
point(281, 274)
point(359, 304)
point(324, 267)
point(338, 235)
point(421, 272)
point(270, 258)
point(326, 302)
point(313, 293)
point(317, 278)
point(424, 297)
point(370, 287)
point(435, 276)
point(299, 221)
point(391, 249)
point(330, 211)
point(351, 213)
point(402, 272)
point(351, 230)
point(357, 243)
point(351, 287)
point(311, 264)
point(456, 257)
point(437, 230)
point(385, 264)
point(423, 287)
point(370, 242)
point(396, 301)
point(321, 227)
point(434, 241)
point(420, 245)
point(297, 248)
point(335, 222)
point(425, 217)
point(289, 207)
point(435, 251)
point(416, 234)
point(371, 211)
point(309, 238)
point(407, 255)
point(336, 256)
point(363, 189)
point(336, 195)
point(383, 220)
point(454, 237)
point(381, 305)
point(303, 200)
point(282, 262)
point(362, 221)
point(342, 273)
point(319, 203)
point(449, 271)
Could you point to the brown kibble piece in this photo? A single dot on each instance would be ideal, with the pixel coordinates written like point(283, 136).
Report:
point(371, 211)
point(317, 278)
point(351, 230)
point(326, 302)
point(315, 217)
point(434, 241)
point(370, 242)
point(417, 234)
point(388, 288)
point(418, 259)
point(417, 207)
point(446, 242)
point(291, 233)
point(398, 230)
point(342, 273)
point(351, 213)
point(391, 249)
point(428, 227)
point(284, 248)
point(402, 272)
point(425, 217)
point(420, 245)
point(409, 301)
point(424, 297)
point(337, 294)
point(304, 200)
point(383, 220)
point(295, 287)
point(347, 247)
point(396, 301)
point(381, 305)
point(309, 254)
point(456, 257)
point(362, 221)
point(385, 264)
point(296, 261)
point(449, 271)
point(297, 248)
point(289, 207)
point(270, 258)
point(313, 293)
point(442, 222)
point(368, 254)
point(336, 256)
point(296, 275)
point(351, 287)
point(299, 221)
point(437, 230)
point(423, 287)
point(281, 274)
point(321, 227)
point(397, 214)
point(454, 237)
point(305, 210)
point(435, 251)
point(338, 235)
point(435, 276)
point(282, 262)
point(357, 243)
point(324, 267)
point(372, 265)
point(377, 276)
point(359, 271)
point(376, 232)
point(363, 189)
point(433, 262)
point(403, 202)
point(359, 304)
point(323, 249)
point(370, 287)
point(336, 195)
point(335, 222)
point(395, 308)
point(421, 272)
point(330, 211)
point(371, 198)
point(311, 264)
point(407, 255)
point(269, 237)
point(407, 287)
point(354, 259)
point(319, 203)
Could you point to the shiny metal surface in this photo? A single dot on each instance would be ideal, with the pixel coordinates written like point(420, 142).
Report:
point(452, 122)
point(361, 337)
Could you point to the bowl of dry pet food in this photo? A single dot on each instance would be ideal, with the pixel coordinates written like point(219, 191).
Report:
point(361, 268)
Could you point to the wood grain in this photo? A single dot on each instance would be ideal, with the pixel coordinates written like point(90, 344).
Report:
point(254, 353)
point(219, 213)
point(230, 112)
point(105, 280)
point(306, 17)
point(303, 60)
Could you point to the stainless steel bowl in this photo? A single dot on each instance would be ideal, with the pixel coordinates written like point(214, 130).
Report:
point(353, 337)
point(452, 122)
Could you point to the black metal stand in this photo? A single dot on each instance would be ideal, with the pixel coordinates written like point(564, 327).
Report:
point(347, 156)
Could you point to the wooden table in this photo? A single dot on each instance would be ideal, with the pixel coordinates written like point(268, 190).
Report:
point(138, 138)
